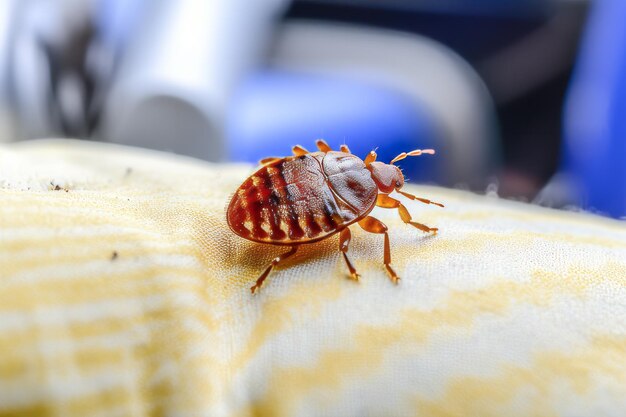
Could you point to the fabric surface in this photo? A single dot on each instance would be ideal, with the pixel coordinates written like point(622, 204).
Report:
point(123, 292)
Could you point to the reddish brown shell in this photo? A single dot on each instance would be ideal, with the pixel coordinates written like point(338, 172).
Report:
point(302, 199)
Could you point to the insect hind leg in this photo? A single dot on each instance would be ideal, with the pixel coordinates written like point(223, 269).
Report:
point(268, 161)
point(271, 266)
point(299, 150)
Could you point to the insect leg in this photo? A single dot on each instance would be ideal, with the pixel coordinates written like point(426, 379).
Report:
point(371, 157)
point(267, 161)
point(322, 145)
point(344, 241)
point(420, 199)
point(271, 266)
point(406, 217)
point(373, 225)
point(299, 150)
point(344, 148)
point(385, 201)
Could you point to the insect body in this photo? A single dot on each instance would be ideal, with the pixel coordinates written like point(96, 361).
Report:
point(312, 195)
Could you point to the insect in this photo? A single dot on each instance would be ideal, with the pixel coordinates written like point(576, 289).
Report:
point(311, 196)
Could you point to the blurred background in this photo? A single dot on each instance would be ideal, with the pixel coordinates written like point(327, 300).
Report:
point(523, 98)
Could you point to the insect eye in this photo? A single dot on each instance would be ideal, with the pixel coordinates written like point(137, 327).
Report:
point(397, 183)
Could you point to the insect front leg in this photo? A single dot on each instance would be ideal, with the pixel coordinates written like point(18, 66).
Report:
point(420, 199)
point(406, 217)
point(371, 157)
point(344, 242)
point(271, 266)
point(373, 225)
point(384, 201)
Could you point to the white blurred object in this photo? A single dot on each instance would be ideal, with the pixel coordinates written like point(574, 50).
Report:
point(48, 88)
point(160, 74)
point(7, 14)
point(149, 73)
point(178, 70)
point(430, 73)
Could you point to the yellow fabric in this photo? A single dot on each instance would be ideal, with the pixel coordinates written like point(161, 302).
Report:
point(123, 292)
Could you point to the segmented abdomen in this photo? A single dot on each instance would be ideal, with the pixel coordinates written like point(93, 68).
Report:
point(287, 201)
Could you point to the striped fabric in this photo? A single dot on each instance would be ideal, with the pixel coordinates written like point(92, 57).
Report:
point(123, 292)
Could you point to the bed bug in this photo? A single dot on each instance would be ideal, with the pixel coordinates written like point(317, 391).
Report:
point(311, 196)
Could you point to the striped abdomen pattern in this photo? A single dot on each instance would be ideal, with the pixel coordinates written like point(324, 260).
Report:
point(289, 201)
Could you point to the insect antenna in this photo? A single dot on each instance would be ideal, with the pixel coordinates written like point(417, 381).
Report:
point(416, 152)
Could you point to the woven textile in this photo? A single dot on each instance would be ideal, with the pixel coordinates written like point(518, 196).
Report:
point(123, 292)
